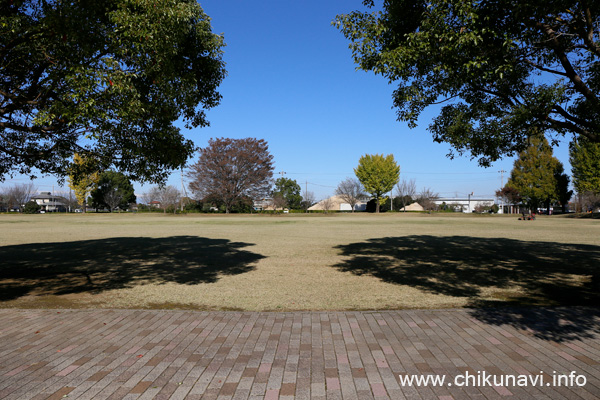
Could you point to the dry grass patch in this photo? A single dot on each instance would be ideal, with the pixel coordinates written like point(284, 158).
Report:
point(296, 262)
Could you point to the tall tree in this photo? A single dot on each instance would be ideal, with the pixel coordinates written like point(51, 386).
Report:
point(562, 194)
point(113, 190)
point(378, 175)
point(351, 191)
point(426, 198)
point(230, 169)
point(308, 200)
point(406, 191)
point(83, 177)
point(505, 69)
point(584, 157)
point(290, 191)
point(168, 196)
point(107, 78)
point(535, 173)
point(19, 194)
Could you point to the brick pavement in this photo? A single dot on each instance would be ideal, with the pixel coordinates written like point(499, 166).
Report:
point(139, 354)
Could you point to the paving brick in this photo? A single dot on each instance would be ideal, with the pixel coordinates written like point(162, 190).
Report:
point(346, 355)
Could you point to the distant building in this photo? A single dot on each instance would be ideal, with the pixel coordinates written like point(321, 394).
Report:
point(412, 207)
point(50, 203)
point(336, 203)
point(466, 205)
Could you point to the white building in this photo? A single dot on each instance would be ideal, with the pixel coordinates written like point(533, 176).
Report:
point(336, 203)
point(50, 203)
point(466, 205)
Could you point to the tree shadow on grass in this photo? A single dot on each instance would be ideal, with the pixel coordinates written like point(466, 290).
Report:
point(94, 266)
point(493, 272)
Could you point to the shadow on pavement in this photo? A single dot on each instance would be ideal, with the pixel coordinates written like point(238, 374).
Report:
point(518, 273)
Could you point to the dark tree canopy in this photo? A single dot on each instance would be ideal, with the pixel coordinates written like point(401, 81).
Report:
point(584, 157)
point(539, 177)
point(231, 169)
point(105, 79)
point(289, 190)
point(505, 70)
point(113, 190)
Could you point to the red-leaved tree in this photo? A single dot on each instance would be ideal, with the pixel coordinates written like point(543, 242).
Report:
point(229, 169)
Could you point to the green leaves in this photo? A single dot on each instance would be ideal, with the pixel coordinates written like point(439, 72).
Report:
point(378, 174)
point(506, 70)
point(107, 78)
point(538, 176)
point(584, 157)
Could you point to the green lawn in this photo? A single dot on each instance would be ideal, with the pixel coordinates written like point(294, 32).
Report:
point(296, 261)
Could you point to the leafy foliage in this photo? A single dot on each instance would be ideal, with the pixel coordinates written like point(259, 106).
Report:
point(83, 177)
point(506, 69)
point(538, 176)
point(289, 190)
point(113, 190)
point(105, 79)
point(378, 175)
point(584, 157)
point(230, 169)
point(31, 207)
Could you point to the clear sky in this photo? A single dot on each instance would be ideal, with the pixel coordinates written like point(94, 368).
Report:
point(291, 81)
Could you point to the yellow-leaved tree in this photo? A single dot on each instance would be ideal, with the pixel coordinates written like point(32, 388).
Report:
point(83, 177)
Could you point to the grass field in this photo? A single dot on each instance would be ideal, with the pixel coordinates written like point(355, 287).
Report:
point(296, 262)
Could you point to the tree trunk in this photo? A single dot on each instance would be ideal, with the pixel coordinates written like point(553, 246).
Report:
point(377, 206)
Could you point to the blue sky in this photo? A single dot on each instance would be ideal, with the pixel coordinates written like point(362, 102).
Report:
point(291, 81)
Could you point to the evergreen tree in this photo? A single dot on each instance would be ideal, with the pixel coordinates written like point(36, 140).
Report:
point(289, 190)
point(585, 163)
point(538, 176)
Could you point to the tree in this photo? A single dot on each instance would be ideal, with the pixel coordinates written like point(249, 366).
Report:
point(534, 174)
point(426, 198)
point(563, 194)
point(506, 69)
point(406, 192)
point(113, 190)
point(290, 191)
point(378, 175)
point(19, 194)
point(230, 169)
point(327, 204)
point(83, 178)
point(168, 196)
point(108, 79)
point(308, 200)
point(584, 157)
point(70, 200)
point(351, 191)
point(510, 196)
point(278, 202)
point(31, 207)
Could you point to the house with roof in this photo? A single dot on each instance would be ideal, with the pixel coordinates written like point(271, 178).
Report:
point(50, 203)
point(336, 203)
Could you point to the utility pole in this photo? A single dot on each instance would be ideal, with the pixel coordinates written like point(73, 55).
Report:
point(502, 187)
point(470, 194)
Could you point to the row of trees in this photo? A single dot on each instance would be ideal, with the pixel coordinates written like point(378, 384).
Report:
point(538, 178)
point(234, 173)
point(101, 79)
point(16, 196)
